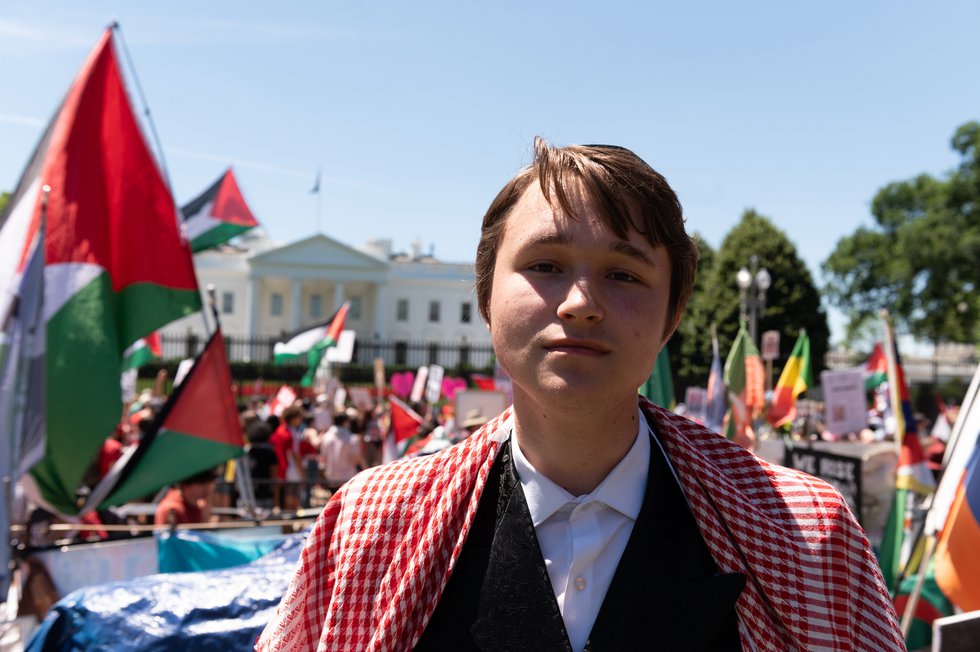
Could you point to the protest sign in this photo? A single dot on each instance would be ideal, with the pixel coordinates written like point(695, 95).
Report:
point(842, 471)
point(844, 400)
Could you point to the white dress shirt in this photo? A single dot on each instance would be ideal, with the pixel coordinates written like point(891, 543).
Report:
point(582, 538)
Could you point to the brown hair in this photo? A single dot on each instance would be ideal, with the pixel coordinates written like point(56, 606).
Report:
point(616, 180)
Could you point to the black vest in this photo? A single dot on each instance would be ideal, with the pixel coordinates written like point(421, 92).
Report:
point(666, 593)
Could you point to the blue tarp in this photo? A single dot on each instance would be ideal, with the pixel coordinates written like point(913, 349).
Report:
point(212, 610)
point(183, 551)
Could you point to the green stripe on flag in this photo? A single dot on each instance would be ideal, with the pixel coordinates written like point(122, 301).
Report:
point(171, 455)
point(220, 234)
point(144, 307)
point(890, 554)
point(82, 362)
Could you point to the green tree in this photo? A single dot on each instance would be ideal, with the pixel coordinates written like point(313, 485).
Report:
point(919, 260)
point(690, 361)
point(792, 301)
point(4, 198)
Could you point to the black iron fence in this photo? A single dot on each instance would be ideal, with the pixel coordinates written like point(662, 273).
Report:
point(460, 355)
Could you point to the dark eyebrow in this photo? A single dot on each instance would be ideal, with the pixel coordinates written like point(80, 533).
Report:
point(625, 248)
point(619, 247)
point(544, 240)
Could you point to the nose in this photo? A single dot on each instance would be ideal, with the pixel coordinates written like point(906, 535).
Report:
point(580, 303)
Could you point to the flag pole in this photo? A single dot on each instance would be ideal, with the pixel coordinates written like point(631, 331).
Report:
point(117, 28)
point(920, 581)
point(164, 170)
point(319, 197)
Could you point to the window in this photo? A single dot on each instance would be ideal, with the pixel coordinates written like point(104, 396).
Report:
point(401, 311)
point(316, 306)
point(227, 303)
point(433, 353)
point(354, 311)
point(401, 352)
point(466, 312)
point(275, 304)
point(433, 311)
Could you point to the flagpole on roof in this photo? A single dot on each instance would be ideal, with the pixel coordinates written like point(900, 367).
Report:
point(161, 159)
point(319, 197)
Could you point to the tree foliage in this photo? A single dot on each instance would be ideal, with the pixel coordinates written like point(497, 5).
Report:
point(920, 258)
point(792, 301)
point(4, 198)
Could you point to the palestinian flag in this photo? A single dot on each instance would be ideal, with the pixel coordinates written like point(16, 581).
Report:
point(483, 382)
point(876, 368)
point(115, 267)
point(405, 422)
point(659, 387)
point(142, 351)
point(196, 429)
point(744, 377)
point(217, 215)
point(310, 344)
point(794, 380)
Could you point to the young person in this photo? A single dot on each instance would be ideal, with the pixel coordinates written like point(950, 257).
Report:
point(585, 517)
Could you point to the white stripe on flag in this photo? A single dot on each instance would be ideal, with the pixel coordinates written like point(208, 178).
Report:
point(302, 343)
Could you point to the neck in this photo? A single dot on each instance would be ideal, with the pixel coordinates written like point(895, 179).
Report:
point(575, 448)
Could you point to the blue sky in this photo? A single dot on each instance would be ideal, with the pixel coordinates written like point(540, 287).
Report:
point(419, 112)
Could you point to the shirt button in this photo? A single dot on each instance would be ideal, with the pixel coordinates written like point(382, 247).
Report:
point(580, 583)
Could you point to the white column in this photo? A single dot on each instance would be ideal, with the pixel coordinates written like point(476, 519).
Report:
point(252, 307)
point(296, 305)
point(338, 294)
point(381, 310)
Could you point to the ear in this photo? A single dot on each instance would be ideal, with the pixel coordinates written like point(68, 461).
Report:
point(673, 329)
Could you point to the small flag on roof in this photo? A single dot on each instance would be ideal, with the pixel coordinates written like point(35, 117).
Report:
point(217, 215)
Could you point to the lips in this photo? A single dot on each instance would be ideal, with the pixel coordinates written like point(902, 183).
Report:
point(572, 345)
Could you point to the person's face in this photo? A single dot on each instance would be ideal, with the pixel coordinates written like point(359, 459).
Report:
point(197, 491)
point(576, 313)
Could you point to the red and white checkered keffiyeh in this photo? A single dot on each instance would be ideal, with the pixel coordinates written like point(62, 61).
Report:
point(382, 551)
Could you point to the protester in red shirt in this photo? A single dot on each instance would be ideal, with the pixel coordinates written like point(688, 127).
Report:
point(188, 502)
point(285, 441)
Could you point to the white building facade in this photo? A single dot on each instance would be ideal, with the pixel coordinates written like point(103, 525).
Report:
point(264, 290)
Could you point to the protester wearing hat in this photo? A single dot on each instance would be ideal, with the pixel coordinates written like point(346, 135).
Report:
point(188, 502)
point(473, 421)
point(585, 517)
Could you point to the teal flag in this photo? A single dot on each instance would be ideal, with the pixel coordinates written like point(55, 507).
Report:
point(659, 387)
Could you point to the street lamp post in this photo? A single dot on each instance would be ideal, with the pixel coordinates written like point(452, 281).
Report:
point(752, 285)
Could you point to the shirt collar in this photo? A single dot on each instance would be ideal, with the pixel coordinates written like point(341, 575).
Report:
point(622, 490)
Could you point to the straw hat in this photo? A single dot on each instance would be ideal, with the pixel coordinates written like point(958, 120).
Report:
point(473, 419)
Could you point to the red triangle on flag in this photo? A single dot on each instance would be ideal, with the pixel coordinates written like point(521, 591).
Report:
point(229, 204)
point(405, 422)
point(205, 406)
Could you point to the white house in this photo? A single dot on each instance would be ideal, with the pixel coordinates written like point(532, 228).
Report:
point(266, 290)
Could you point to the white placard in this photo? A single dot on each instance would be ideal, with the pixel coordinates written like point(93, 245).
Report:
point(696, 400)
point(361, 397)
point(433, 386)
point(182, 369)
point(344, 350)
point(844, 402)
point(340, 399)
point(127, 382)
point(420, 377)
point(770, 345)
